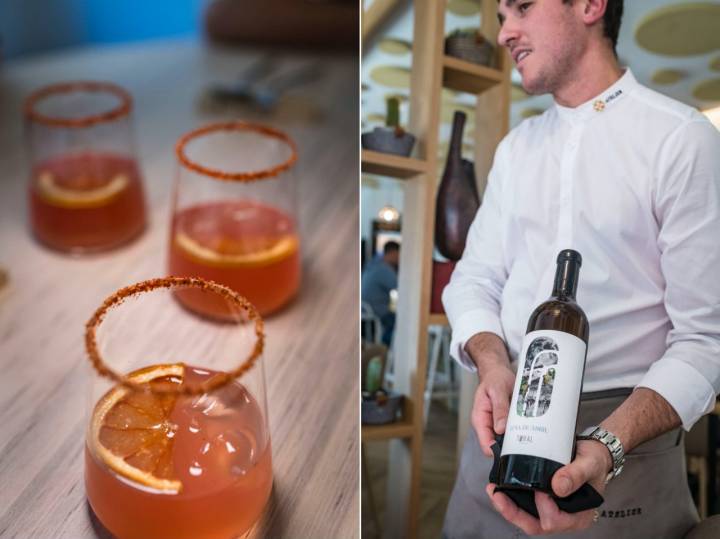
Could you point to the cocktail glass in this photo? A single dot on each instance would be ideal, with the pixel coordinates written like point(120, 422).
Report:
point(85, 190)
point(177, 445)
point(234, 219)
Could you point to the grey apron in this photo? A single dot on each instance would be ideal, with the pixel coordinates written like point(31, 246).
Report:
point(650, 499)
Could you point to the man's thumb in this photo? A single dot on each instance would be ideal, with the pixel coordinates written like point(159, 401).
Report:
point(501, 407)
point(570, 478)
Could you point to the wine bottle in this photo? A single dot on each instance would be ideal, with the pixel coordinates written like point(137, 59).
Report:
point(540, 431)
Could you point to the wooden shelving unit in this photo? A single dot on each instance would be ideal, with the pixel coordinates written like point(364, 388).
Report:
point(401, 429)
point(463, 76)
point(431, 71)
point(394, 166)
point(437, 320)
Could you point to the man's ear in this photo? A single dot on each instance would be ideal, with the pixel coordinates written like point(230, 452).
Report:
point(593, 10)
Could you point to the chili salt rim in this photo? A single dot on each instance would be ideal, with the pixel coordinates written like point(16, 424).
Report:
point(235, 176)
point(123, 109)
point(169, 282)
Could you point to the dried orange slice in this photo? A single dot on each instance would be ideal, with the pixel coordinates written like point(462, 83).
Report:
point(230, 253)
point(82, 192)
point(131, 433)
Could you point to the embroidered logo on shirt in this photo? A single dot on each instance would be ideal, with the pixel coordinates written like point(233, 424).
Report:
point(600, 105)
point(617, 94)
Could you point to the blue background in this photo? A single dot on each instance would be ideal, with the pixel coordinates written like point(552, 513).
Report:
point(31, 26)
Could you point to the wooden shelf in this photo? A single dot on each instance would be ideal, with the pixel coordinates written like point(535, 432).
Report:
point(403, 428)
point(438, 320)
point(463, 76)
point(399, 429)
point(431, 72)
point(391, 165)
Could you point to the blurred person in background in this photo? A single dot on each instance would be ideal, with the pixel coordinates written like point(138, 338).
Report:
point(378, 280)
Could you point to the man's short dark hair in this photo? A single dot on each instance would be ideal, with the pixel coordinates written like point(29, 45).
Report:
point(391, 246)
point(611, 21)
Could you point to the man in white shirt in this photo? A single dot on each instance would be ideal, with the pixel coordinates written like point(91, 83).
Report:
point(631, 180)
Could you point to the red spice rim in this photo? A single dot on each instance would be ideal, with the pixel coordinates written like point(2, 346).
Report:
point(216, 382)
point(235, 176)
point(123, 109)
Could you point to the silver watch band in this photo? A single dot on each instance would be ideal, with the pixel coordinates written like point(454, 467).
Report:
point(613, 445)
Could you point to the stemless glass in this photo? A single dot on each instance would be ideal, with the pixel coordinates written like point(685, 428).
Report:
point(85, 188)
point(234, 219)
point(178, 444)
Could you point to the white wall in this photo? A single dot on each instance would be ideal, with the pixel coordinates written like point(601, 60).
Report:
point(377, 192)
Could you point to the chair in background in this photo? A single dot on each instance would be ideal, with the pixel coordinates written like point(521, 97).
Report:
point(439, 383)
point(371, 329)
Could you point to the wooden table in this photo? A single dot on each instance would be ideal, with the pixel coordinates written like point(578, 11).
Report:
point(311, 357)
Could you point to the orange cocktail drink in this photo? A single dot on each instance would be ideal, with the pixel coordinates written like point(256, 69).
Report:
point(167, 466)
point(257, 254)
point(86, 201)
point(234, 216)
point(85, 191)
point(176, 450)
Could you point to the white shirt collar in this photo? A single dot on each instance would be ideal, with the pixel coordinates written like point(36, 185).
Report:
point(601, 102)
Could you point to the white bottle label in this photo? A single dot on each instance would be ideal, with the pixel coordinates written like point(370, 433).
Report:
point(544, 404)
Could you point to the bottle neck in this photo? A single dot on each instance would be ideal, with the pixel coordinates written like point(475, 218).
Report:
point(456, 136)
point(566, 279)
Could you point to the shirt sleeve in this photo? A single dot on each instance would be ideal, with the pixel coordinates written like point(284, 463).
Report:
point(390, 280)
point(687, 208)
point(472, 298)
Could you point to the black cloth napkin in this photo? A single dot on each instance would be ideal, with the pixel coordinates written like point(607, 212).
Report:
point(586, 497)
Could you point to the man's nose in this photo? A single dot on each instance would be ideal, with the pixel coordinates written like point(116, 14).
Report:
point(508, 33)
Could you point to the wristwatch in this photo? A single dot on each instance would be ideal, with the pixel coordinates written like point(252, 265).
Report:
point(609, 440)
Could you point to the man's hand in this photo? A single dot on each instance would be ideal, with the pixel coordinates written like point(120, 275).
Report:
point(591, 465)
point(492, 402)
point(492, 398)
